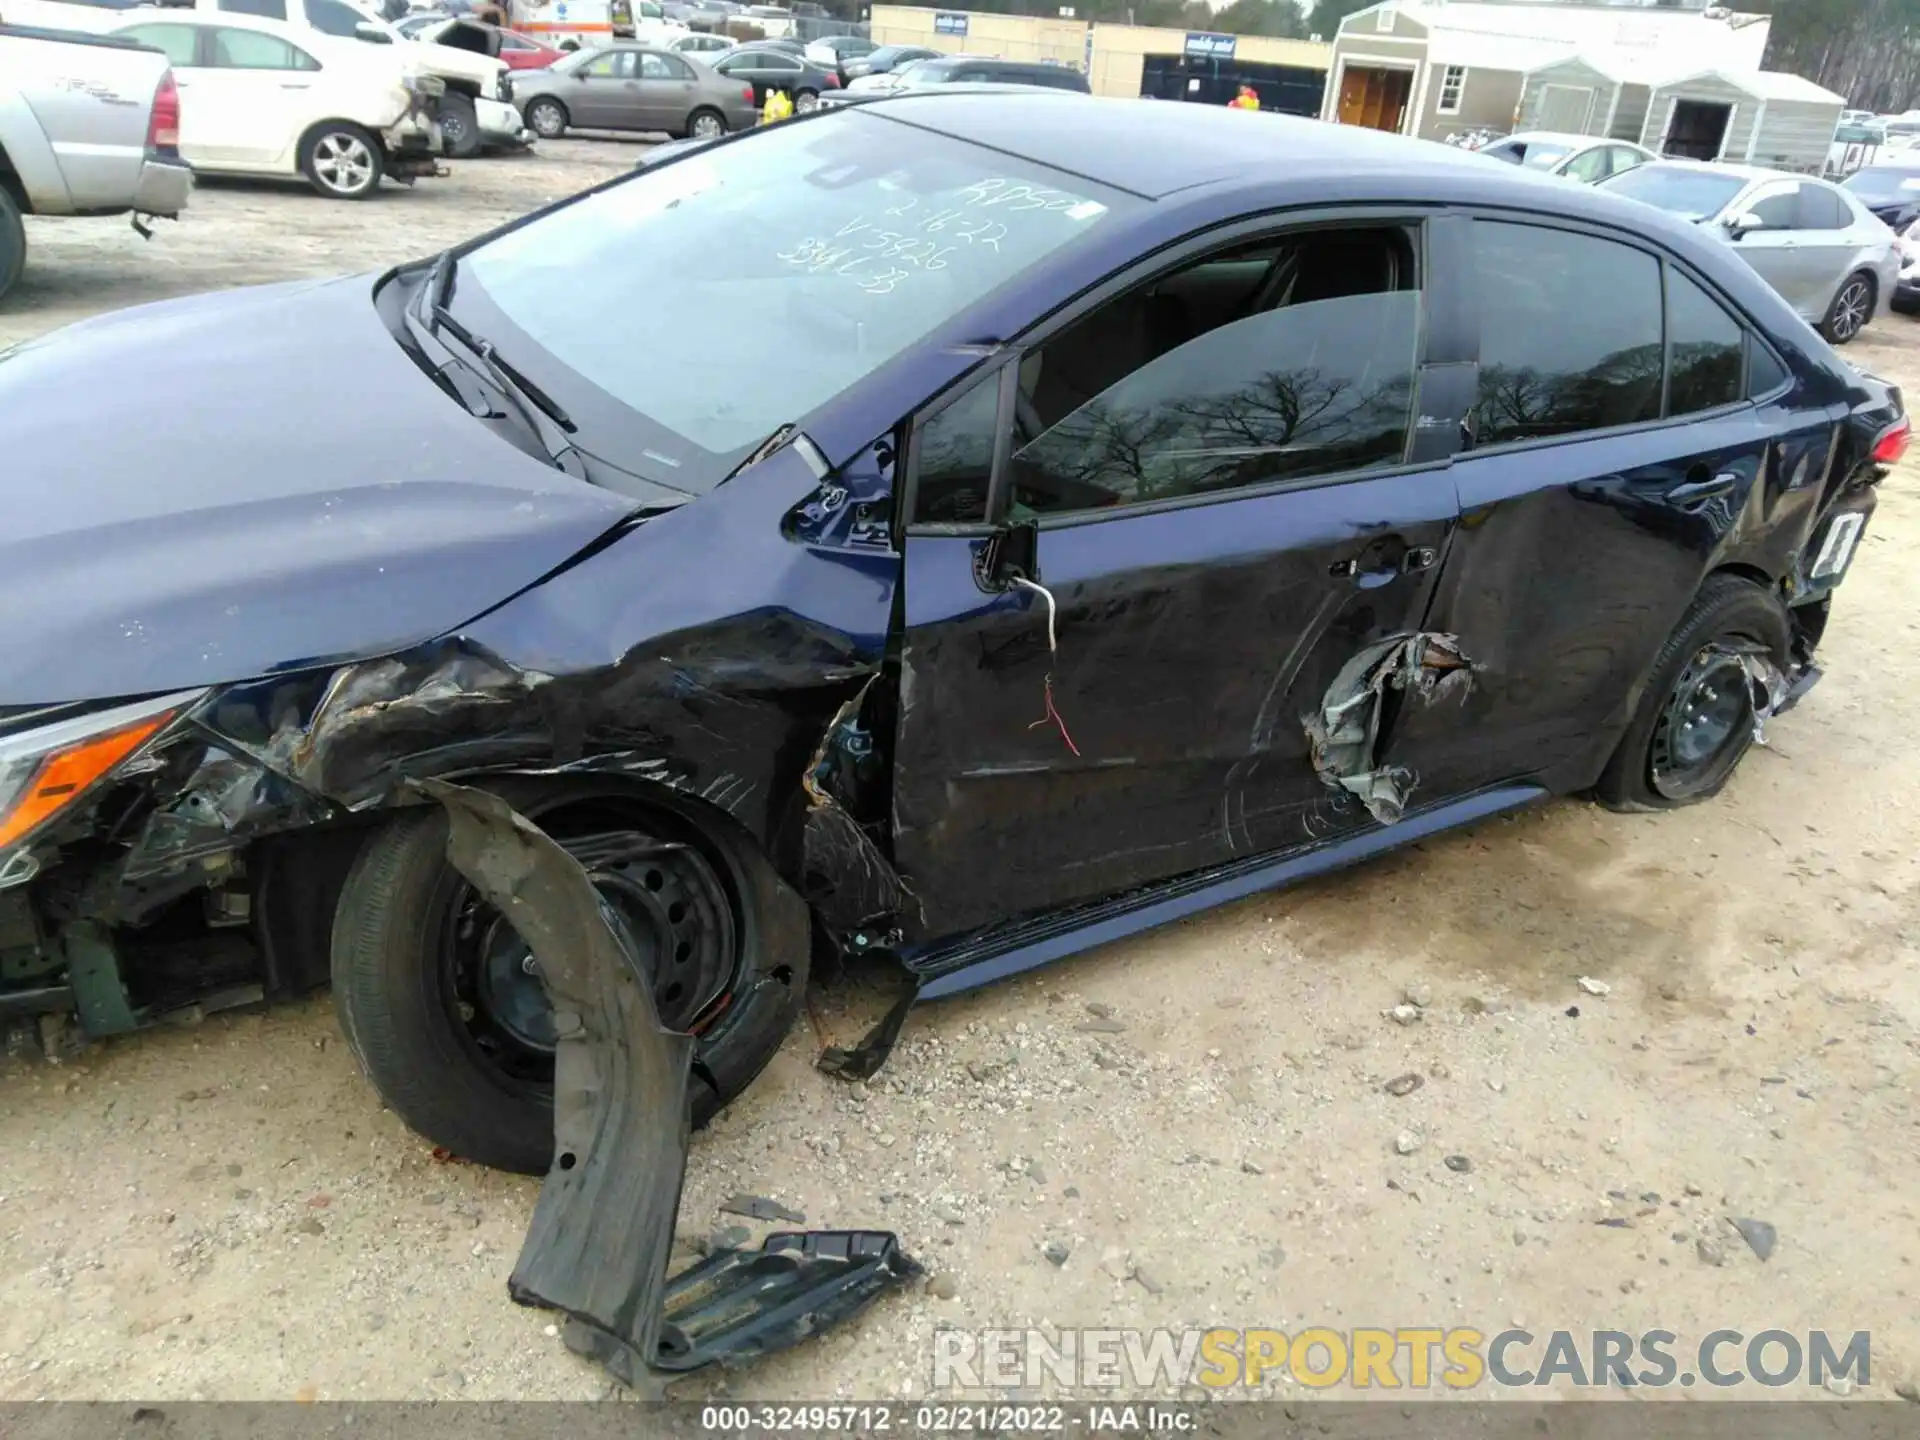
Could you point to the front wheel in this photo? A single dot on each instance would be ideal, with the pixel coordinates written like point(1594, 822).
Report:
point(707, 125)
point(1695, 721)
point(342, 161)
point(460, 126)
point(805, 101)
point(548, 118)
point(1851, 309)
point(441, 1000)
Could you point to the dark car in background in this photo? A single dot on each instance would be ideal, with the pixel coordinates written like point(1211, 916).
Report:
point(836, 51)
point(768, 68)
point(625, 86)
point(974, 71)
point(884, 59)
point(1890, 189)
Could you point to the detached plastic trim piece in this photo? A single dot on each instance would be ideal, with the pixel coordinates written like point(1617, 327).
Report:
point(602, 1228)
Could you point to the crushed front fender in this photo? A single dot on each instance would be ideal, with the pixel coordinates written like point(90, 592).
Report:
point(602, 1228)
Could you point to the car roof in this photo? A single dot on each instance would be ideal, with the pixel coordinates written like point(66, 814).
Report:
point(1553, 137)
point(1748, 173)
point(225, 19)
point(1152, 148)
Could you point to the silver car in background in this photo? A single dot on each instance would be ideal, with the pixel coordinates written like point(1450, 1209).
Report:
point(1586, 158)
point(1823, 250)
point(632, 87)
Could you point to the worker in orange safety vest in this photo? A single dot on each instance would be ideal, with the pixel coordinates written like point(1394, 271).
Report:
point(1247, 99)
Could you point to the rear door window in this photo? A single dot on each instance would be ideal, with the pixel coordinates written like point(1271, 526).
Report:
point(1552, 362)
point(1821, 209)
point(1706, 349)
point(330, 17)
point(180, 43)
point(251, 50)
point(1777, 209)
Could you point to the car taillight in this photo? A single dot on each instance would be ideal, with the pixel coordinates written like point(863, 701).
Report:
point(1892, 443)
point(163, 123)
point(746, 94)
point(833, 81)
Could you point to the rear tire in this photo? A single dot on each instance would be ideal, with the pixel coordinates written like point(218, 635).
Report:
point(13, 243)
point(547, 118)
point(459, 125)
point(414, 1026)
point(1852, 307)
point(1674, 753)
point(806, 102)
point(342, 161)
point(706, 125)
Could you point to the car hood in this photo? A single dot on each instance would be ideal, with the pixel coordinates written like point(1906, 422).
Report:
point(221, 487)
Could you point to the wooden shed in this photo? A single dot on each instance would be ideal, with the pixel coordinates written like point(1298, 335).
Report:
point(1757, 117)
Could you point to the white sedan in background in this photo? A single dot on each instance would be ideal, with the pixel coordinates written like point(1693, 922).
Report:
point(260, 97)
point(1586, 158)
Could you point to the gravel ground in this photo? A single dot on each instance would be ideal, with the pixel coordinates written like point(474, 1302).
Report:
point(1200, 1118)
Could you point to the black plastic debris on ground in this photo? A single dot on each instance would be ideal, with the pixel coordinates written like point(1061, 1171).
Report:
point(602, 1229)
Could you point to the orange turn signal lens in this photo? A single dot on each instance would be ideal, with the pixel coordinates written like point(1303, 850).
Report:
point(65, 775)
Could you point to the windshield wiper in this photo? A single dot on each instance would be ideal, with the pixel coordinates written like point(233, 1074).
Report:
point(537, 410)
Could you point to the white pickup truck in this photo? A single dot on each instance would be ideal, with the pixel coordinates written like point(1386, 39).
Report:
point(89, 125)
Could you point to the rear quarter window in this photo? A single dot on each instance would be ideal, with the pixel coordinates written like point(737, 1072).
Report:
point(1551, 361)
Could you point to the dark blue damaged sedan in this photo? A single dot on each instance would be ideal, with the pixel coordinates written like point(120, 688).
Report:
point(965, 529)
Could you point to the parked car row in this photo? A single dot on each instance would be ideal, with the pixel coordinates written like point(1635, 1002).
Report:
point(255, 102)
point(94, 159)
point(469, 106)
point(1828, 249)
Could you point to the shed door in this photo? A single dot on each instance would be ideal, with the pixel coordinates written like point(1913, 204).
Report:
point(1564, 108)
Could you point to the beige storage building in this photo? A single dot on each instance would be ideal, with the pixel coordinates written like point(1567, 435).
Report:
point(1433, 67)
point(1757, 117)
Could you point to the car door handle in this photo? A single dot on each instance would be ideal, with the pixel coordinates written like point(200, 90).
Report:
point(1383, 568)
point(1695, 491)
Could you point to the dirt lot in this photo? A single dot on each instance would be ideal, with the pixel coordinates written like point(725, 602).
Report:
point(227, 1212)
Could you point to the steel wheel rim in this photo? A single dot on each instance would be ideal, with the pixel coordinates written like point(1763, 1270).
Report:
point(343, 162)
point(806, 104)
point(706, 127)
point(1705, 726)
point(547, 121)
point(673, 911)
point(1850, 313)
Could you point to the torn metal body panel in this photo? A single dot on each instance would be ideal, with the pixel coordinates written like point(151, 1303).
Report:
point(1347, 730)
point(598, 1245)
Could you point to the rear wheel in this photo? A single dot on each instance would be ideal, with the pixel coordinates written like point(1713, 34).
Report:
point(1695, 721)
point(707, 125)
point(442, 1001)
point(805, 101)
point(548, 117)
point(459, 125)
point(13, 243)
point(342, 161)
point(1852, 307)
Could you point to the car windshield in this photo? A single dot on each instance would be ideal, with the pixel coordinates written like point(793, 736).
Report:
point(1544, 154)
point(801, 262)
point(1694, 194)
point(1885, 182)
